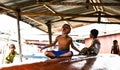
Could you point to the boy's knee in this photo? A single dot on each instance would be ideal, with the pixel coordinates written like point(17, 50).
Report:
point(50, 54)
point(71, 53)
point(46, 53)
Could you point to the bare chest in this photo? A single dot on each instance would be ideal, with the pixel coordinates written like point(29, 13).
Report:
point(63, 40)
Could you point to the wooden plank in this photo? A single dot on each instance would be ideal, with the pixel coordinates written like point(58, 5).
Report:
point(66, 15)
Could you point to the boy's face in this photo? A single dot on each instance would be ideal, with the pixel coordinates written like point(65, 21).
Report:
point(91, 35)
point(12, 48)
point(66, 29)
point(115, 43)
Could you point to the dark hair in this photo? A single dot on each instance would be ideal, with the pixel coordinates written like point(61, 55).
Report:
point(115, 41)
point(94, 32)
point(66, 25)
point(13, 46)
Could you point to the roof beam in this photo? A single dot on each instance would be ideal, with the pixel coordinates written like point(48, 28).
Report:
point(112, 10)
point(37, 27)
point(68, 4)
point(94, 7)
point(62, 19)
point(79, 3)
point(85, 21)
point(7, 8)
point(66, 15)
point(35, 20)
point(100, 7)
point(52, 10)
point(97, 8)
point(3, 11)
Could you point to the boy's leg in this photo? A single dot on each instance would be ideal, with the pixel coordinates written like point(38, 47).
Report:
point(50, 54)
point(84, 51)
point(55, 54)
point(68, 54)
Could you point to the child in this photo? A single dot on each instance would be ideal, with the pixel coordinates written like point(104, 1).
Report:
point(64, 42)
point(115, 47)
point(94, 48)
point(11, 55)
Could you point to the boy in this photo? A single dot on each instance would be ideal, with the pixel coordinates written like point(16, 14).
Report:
point(94, 48)
point(11, 55)
point(115, 47)
point(64, 42)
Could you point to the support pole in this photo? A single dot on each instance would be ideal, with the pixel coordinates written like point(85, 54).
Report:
point(19, 36)
point(99, 16)
point(49, 31)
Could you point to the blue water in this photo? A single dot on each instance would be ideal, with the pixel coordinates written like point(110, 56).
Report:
point(34, 56)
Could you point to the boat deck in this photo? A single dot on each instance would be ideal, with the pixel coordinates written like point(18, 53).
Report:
point(100, 62)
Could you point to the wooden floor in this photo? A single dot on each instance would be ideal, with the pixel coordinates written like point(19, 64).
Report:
point(100, 62)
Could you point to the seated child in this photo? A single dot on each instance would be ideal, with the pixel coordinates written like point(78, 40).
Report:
point(64, 43)
point(94, 48)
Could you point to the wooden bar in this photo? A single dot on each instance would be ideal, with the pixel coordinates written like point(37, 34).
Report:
point(66, 15)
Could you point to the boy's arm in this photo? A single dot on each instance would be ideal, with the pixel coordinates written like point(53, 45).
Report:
point(49, 45)
point(112, 49)
point(118, 48)
point(93, 44)
point(16, 53)
point(8, 58)
point(72, 45)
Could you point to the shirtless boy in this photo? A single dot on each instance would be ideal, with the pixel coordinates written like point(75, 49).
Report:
point(64, 43)
point(115, 47)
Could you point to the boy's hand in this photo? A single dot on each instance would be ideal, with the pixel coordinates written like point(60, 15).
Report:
point(80, 53)
point(9, 60)
point(41, 48)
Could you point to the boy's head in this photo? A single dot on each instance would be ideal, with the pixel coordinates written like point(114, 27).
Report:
point(94, 33)
point(12, 46)
point(115, 42)
point(66, 29)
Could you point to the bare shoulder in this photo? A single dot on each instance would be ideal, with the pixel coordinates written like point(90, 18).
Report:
point(97, 41)
point(58, 36)
point(70, 37)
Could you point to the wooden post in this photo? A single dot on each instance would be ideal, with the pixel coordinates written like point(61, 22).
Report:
point(19, 36)
point(99, 16)
point(49, 31)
